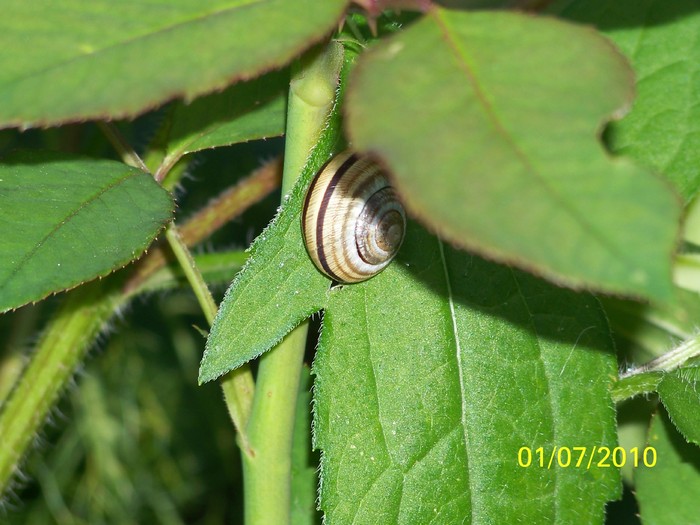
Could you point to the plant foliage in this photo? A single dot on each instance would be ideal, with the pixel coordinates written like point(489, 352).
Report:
point(545, 152)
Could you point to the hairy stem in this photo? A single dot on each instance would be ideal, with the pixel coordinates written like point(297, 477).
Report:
point(671, 360)
point(70, 333)
point(194, 277)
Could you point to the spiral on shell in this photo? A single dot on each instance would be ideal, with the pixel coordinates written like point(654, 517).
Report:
point(352, 221)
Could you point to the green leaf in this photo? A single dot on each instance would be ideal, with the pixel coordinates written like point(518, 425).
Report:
point(498, 151)
point(66, 220)
point(72, 60)
point(667, 492)
point(680, 395)
point(277, 289)
point(246, 111)
point(431, 376)
point(660, 40)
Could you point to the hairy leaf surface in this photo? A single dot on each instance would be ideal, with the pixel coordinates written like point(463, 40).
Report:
point(667, 492)
point(430, 378)
point(680, 393)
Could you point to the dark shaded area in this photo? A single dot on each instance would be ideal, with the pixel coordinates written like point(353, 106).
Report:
point(624, 511)
point(609, 15)
point(135, 439)
point(502, 291)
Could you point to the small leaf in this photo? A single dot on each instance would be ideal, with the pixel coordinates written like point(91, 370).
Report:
point(279, 287)
point(67, 220)
point(431, 376)
point(667, 480)
point(498, 151)
point(276, 290)
point(72, 60)
point(246, 111)
point(660, 39)
point(679, 391)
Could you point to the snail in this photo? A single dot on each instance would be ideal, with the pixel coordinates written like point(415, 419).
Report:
point(352, 221)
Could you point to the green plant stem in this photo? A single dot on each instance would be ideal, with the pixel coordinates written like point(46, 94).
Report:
point(635, 385)
point(194, 277)
point(238, 385)
point(74, 326)
point(311, 98)
point(24, 325)
point(226, 206)
point(216, 267)
point(671, 360)
point(126, 152)
point(85, 312)
point(267, 464)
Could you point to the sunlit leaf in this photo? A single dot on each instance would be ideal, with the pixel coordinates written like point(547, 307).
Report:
point(432, 376)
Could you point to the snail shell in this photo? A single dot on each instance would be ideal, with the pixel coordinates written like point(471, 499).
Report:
point(352, 220)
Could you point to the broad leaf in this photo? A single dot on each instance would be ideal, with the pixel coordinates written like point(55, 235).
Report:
point(667, 480)
point(432, 376)
point(66, 220)
point(498, 152)
point(660, 39)
point(680, 393)
point(71, 60)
